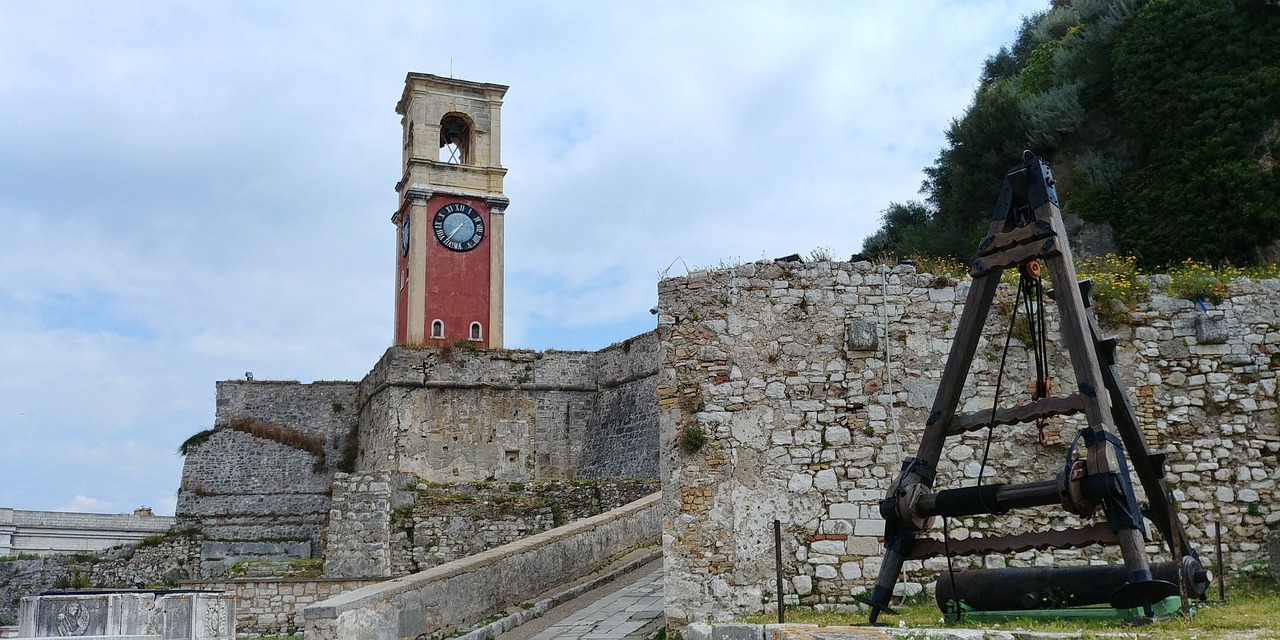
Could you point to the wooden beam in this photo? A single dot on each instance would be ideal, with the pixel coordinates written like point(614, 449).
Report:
point(1042, 408)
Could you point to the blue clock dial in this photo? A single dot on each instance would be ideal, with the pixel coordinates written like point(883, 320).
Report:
point(458, 227)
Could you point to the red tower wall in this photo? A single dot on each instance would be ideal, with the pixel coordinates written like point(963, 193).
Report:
point(457, 283)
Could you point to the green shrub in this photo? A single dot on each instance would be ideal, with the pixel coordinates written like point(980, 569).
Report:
point(1117, 285)
point(194, 441)
point(1196, 280)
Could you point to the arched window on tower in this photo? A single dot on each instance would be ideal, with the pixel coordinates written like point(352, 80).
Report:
point(437, 329)
point(476, 333)
point(456, 135)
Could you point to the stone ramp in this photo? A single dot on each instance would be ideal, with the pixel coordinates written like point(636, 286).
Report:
point(459, 595)
point(630, 612)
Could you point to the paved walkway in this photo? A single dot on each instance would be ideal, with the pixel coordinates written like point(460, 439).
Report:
point(630, 613)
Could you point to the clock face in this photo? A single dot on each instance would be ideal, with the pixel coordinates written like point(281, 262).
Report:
point(458, 227)
point(404, 237)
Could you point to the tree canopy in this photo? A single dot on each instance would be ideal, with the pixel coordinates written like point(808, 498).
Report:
point(1160, 118)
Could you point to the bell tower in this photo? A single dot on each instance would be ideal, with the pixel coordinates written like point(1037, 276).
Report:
point(449, 223)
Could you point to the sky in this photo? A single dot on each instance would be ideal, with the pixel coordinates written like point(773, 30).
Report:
point(194, 190)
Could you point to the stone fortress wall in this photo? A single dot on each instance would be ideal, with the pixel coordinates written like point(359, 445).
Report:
point(238, 487)
point(813, 383)
point(447, 415)
point(465, 415)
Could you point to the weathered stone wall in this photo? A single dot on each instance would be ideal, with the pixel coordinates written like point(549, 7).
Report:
point(622, 433)
point(358, 542)
point(239, 487)
point(273, 607)
point(447, 523)
point(460, 594)
point(463, 415)
point(152, 565)
point(391, 525)
point(812, 383)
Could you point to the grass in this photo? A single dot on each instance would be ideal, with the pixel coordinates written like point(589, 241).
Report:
point(282, 434)
point(1250, 611)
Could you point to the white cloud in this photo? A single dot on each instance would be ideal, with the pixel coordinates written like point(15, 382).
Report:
point(189, 192)
point(85, 504)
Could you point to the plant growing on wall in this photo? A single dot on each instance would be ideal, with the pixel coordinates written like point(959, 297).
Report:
point(350, 450)
point(194, 441)
point(692, 438)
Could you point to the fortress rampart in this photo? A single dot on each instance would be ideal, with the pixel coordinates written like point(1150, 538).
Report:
point(236, 486)
point(463, 415)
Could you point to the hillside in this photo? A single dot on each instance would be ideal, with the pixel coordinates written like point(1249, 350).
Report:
point(1161, 119)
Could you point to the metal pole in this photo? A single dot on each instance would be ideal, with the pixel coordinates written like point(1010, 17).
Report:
point(1217, 535)
point(777, 564)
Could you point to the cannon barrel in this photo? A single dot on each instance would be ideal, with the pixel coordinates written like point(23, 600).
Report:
point(1023, 588)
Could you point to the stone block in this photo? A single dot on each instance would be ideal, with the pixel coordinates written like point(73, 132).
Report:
point(828, 547)
point(864, 546)
point(737, 632)
point(826, 480)
point(153, 614)
point(850, 570)
point(773, 631)
point(843, 511)
point(862, 335)
point(1210, 330)
point(697, 631)
point(837, 436)
point(868, 527)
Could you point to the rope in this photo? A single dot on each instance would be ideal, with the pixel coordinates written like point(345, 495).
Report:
point(995, 401)
point(1034, 301)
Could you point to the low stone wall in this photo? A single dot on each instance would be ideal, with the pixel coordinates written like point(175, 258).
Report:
point(390, 524)
point(812, 383)
point(272, 607)
point(453, 522)
point(460, 594)
point(140, 615)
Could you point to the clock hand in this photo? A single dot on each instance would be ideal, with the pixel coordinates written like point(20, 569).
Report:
point(455, 230)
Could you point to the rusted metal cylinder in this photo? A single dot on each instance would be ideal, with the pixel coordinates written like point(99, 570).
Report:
point(1023, 588)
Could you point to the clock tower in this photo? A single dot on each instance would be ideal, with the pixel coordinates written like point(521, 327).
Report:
point(449, 231)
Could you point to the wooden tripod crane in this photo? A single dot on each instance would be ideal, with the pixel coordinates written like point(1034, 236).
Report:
point(1027, 227)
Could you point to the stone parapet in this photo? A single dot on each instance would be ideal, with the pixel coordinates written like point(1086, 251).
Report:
point(274, 606)
point(456, 596)
point(129, 614)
